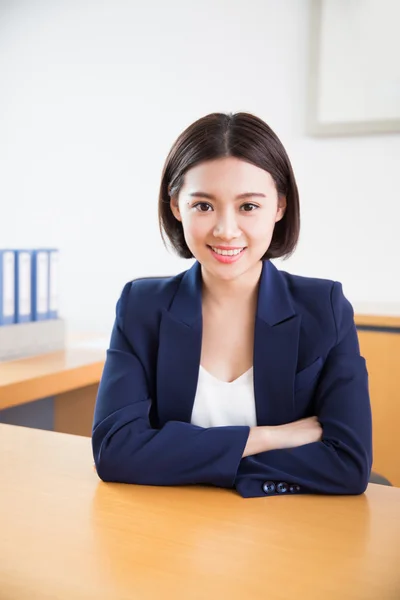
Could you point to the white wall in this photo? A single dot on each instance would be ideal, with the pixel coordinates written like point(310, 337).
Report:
point(93, 94)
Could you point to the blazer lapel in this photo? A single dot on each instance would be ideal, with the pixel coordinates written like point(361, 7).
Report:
point(277, 330)
point(179, 350)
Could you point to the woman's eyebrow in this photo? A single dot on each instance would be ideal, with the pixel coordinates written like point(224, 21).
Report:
point(239, 197)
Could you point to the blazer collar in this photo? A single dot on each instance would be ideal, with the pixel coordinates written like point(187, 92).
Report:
point(274, 304)
point(277, 330)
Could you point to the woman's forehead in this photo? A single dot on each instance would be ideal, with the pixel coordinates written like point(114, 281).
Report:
point(233, 174)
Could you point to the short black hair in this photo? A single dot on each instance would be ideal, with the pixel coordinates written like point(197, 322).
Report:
point(241, 135)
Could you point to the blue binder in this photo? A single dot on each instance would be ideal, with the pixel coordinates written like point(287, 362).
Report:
point(23, 286)
point(40, 285)
point(54, 258)
point(7, 287)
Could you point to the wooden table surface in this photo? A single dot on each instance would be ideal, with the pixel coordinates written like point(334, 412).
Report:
point(29, 379)
point(389, 321)
point(66, 535)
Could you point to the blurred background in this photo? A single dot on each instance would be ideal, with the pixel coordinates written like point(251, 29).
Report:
point(93, 94)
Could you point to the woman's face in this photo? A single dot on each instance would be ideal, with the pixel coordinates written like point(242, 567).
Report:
point(228, 209)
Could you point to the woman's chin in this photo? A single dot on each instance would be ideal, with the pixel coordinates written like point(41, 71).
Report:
point(225, 272)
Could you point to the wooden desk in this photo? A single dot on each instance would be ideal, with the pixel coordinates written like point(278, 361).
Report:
point(380, 345)
point(67, 535)
point(378, 321)
point(71, 375)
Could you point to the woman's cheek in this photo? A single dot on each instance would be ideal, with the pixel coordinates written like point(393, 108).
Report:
point(197, 230)
point(264, 227)
point(192, 233)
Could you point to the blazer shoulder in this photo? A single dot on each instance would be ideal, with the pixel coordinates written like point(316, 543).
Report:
point(309, 290)
point(321, 300)
point(144, 298)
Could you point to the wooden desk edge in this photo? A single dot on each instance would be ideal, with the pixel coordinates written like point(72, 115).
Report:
point(50, 384)
point(378, 321)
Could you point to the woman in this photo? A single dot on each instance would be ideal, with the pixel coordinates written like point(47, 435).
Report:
point(233, 373)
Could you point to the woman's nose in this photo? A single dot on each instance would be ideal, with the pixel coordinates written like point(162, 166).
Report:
point(226, 227)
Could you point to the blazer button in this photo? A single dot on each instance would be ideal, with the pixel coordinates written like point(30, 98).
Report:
point(282, 487)
point(269, 487)
point(294, 488)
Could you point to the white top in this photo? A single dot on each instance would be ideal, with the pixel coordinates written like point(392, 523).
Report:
point(220, 403)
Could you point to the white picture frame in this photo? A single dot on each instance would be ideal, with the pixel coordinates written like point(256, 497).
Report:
point(354, 67)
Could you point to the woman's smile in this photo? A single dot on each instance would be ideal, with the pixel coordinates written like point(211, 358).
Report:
point(226, 256)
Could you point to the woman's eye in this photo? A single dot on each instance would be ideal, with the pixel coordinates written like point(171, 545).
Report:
point(204, 207)
point(200, 206)
point(250, 207)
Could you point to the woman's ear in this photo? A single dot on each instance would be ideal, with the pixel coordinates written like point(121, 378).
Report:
point(175, 208)
point(280, 212)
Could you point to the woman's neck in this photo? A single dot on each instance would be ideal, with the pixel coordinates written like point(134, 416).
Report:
point(219, 292)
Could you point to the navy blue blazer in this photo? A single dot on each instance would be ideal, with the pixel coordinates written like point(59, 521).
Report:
point(306, 362)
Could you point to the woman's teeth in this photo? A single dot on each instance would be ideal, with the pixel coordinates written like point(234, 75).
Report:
point(227, 252)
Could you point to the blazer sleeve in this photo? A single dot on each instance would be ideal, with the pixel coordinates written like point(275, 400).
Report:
point(341, 462)
point(127, 449)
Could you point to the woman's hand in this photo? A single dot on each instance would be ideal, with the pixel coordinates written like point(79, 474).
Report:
point(298, 433)
point(279, 437)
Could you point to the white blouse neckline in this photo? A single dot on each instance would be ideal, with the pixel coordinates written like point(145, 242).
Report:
point(245, 376)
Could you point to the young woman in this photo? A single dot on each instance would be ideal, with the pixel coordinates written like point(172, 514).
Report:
point(233, 373)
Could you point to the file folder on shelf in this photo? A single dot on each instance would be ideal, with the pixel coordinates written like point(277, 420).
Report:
point(23, 286)
point(40, 285)
point(7, 287)
point(53, 283)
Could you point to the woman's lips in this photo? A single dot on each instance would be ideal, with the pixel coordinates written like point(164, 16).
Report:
point(226, 259)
